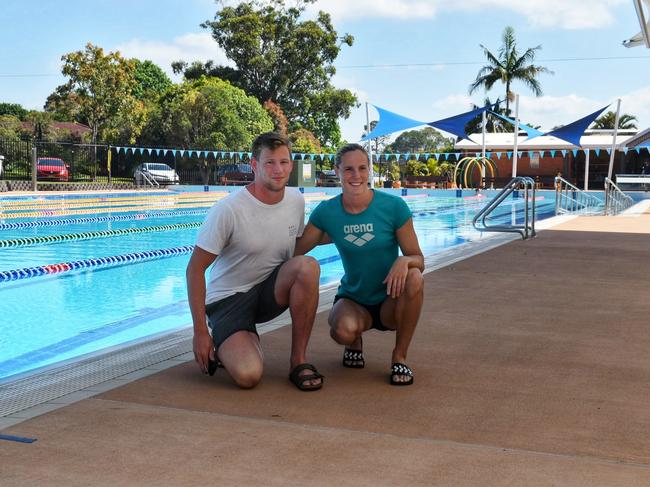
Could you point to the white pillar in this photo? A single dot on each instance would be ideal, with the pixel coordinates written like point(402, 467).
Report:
point(587, 152)
point(516, 146)
point(613, 152)
point(484, 120)
point(370, 169)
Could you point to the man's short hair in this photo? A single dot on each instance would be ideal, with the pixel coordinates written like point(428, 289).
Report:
point(269, 140)
point(349, 148)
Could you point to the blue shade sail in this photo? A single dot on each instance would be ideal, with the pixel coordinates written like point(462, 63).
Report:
point(572, 132)
point(529, 130)
point(390, 122)
point(456, 124)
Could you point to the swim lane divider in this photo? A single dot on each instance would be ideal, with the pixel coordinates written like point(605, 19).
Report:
point(87, 264)
point(29, 241)
point(98, 219)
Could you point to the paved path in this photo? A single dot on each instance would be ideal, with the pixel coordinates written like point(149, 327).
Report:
point(532, 369)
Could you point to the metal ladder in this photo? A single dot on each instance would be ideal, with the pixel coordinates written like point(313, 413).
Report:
point(527, 229)
point(150, 180)
point(615, 200)
point(571, 199)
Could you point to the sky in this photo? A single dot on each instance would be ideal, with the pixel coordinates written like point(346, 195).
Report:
point(413, 57)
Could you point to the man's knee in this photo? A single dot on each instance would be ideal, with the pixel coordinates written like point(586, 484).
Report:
point(247, 377)
point(308, 270)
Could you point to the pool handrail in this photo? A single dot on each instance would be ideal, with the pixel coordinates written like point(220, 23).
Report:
point(616, 200)
point(527, 230)
point(571, 199)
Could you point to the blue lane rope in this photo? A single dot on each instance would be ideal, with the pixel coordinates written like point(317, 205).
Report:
point(98, 219)
point(31, 241)
point(89, 264)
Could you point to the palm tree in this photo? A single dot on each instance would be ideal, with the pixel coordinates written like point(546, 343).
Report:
point(509, 66)
point(607, 121)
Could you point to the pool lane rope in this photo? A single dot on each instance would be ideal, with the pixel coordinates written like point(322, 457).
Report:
point(58, 213)
point(90, 264)
point(104, 262)
point(99, 219)
point(30, 241)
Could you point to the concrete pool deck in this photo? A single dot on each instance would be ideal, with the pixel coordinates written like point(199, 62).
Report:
point(531, 364)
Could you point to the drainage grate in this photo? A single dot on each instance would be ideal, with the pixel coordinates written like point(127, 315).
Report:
point(57, 382)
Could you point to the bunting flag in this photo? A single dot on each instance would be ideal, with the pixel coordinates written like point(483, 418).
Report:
point(390, 122)
point(456, 124)
point(553, 153)
point(532, 132)
point(572, 132)
point(597, 152)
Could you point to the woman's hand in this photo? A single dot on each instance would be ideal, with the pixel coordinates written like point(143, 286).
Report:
point(396, 278)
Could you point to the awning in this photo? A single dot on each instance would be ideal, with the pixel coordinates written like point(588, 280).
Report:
point(643, 37)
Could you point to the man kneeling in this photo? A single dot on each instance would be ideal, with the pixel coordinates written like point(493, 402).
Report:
point(250, 236)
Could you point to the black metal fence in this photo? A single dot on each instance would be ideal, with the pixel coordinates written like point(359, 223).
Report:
point(84, 162)
point(90, 163)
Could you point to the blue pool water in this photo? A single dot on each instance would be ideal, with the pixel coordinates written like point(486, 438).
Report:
point(52, 318)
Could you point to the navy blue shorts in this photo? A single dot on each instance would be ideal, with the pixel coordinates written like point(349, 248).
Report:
point(242, 311)
point(373, 309)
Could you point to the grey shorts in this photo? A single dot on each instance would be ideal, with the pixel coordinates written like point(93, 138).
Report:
point(241, 311)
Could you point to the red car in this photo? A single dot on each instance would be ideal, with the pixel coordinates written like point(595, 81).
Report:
point(52, 168)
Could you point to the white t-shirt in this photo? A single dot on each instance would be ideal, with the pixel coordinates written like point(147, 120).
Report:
point(250, 239)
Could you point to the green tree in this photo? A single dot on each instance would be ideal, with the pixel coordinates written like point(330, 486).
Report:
point(280, 122)
point(150, 81)
point(426, 139)
point(10, 127)
point(41, 123)
point(303, 141)
point(13, 109)
point(207, 113)
point(607, 121)
point(508, 66)
point(99, 89)
point(416, 168)
point(279, 57)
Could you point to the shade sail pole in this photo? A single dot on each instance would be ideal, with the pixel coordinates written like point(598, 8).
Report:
point(587, 152)
point(514, 152)
point(370, 169)
point(642, 21)
point(613, 151)
point(484, 120)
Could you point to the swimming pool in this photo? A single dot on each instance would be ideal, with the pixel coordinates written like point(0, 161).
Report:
point(81, 274)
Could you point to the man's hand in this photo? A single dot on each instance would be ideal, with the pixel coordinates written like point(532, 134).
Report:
point(396, 278)
point(202, 345)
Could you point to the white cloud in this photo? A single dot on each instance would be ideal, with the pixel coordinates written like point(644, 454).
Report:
point(452, 105)
point(566, 14)
point(401, 9)
point(637, 103)
point(344, 83)
point(551, 111)
point(188, 47)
